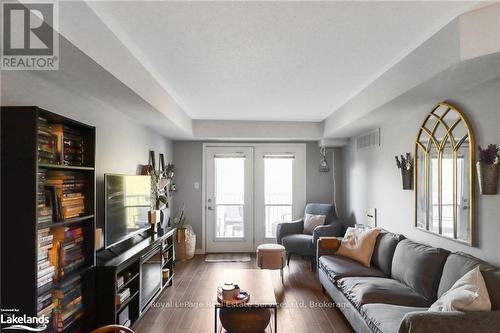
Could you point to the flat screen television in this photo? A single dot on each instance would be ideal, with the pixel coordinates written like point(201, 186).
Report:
point(127, 202)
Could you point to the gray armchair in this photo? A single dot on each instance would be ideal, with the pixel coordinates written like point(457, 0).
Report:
point(292, 237)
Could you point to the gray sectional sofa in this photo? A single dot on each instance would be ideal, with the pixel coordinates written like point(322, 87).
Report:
point(404, 279)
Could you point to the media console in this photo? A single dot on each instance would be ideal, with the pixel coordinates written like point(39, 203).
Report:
point(128, 283)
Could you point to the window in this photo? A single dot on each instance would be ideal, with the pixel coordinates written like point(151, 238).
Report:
point(229, 196)
point(278, 191)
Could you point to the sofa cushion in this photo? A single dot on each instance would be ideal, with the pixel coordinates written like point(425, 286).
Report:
point(299, 244)
point(366, 290)
point(338, 267)
point(386, 318)
point(384, 250)
point(419, 267)
point(458, 264)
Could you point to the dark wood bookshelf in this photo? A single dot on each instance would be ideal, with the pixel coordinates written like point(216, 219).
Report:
point(131, 263)
point(65, 167)
point(20, 167)
point(65, 223)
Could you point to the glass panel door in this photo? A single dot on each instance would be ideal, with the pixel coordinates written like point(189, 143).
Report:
point(229, 199)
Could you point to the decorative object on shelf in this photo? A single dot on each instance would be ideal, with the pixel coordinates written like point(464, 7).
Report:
point(488, 168)
point(169, 171)
point(185, 242)
point(323, 164)
point(444, 175)
point(405, 166)
point(159, 181)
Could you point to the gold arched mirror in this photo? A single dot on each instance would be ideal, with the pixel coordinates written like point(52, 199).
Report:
point(444, 178)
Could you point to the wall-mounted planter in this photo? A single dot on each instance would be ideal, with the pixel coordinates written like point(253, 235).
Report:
point(407, 178)
point(488, 177)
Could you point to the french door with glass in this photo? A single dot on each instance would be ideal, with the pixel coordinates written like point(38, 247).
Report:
point(229, 199)
point(280, 188)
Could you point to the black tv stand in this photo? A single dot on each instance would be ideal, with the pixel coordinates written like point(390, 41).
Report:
point(116, 272)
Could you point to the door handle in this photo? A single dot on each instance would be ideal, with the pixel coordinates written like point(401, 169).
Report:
point(210, 208)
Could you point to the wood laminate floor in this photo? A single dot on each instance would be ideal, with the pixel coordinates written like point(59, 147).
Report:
point(186, 306)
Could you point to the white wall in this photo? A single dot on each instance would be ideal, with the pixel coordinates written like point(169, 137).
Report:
point(122, 144)
point(188, 162)
point(373, 178)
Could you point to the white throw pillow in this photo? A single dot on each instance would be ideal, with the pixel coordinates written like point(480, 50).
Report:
point(469, 293)
point(312, 221)
point(358, 244)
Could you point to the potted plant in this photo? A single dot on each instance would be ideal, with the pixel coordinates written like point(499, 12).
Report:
point(185, 242)
point(488, 169)
point(405, 165)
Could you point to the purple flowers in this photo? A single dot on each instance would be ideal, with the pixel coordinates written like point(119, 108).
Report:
point(489, 155)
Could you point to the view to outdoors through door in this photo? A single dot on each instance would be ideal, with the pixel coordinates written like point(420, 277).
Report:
point(229, 199)
point(229, 196)
point(278, 187)
point(249, 190)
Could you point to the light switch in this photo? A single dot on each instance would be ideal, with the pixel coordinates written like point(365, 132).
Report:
point(196, 185)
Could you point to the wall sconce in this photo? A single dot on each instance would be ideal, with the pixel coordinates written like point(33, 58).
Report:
point(323, 164)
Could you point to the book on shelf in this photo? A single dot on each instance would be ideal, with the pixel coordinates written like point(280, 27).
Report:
point(122, 296)
point(49, 271)
point(47, 311)
point(45, 268)
point(45, 304)
point(70, 255)
point(66, 192)
point(44, 200)
point(44, 281)
point(69, 305)
point(70, 146)
point(47, 142)
point(120, 281)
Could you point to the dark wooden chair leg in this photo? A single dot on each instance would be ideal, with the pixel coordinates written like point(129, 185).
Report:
point(323, 290)
point(313, 265)
point(288, 256)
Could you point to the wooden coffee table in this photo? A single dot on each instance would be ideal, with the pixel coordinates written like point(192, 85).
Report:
point(257, 283)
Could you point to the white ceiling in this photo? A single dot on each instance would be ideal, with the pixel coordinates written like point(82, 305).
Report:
point(288, 61)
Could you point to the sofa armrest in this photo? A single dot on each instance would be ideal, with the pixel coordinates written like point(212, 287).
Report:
point(326, 230)
point(450, 322)
point(289, 228)
point(327, 245)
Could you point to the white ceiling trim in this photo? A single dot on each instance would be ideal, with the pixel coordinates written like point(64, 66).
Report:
point(426, 35)
point(83, 28)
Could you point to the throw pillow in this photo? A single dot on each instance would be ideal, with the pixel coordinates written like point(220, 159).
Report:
point(312, 221)
point(358, 244)
point(469, 293)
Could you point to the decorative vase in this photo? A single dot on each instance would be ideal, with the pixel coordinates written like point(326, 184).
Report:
point(488, 177)
point(407, 178)
point(185, 243)
point(245, 320)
